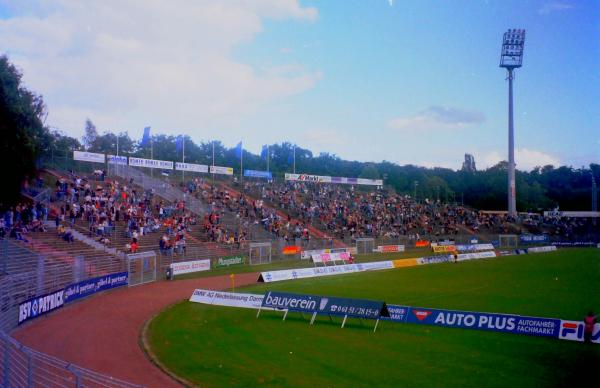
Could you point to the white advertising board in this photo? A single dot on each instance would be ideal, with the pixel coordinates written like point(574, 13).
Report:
point(191, 167)
point(221, 170)
point(190, 266)
point(88, 157)
point(230, 299)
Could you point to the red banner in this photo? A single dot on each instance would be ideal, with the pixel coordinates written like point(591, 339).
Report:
point(291, 250)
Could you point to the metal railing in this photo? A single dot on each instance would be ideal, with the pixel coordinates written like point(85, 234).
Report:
point(25, 274)
point(22, 366)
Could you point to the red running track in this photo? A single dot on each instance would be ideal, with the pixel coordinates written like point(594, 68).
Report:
point(102, 332)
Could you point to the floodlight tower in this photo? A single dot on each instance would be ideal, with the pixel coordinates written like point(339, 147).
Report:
point(511, 57)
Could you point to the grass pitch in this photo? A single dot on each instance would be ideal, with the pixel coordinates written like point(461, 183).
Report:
point(217, 346)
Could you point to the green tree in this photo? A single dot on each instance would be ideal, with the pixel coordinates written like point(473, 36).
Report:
point(22, 131)
point(91, 135)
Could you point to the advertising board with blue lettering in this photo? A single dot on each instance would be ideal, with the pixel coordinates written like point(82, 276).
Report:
point(258, 174)
point(91, 286)
point(516, 324)
point(533, 238)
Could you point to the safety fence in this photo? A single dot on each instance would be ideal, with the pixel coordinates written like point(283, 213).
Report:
point(26, 274)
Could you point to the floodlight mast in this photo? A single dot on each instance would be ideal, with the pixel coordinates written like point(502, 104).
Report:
point(511, 57)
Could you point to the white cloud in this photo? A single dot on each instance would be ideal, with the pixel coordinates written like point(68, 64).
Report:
point(437, 117)
point(555, 6)
point(131, 63)
point(525, 159)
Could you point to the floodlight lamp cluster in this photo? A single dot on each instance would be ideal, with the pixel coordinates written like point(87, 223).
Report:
point(512, 48)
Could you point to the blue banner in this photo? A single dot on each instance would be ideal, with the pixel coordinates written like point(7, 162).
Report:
point(361, 308)
point(40, 305)
point(91, 286)
point(533, 238)
point(516, 324)
point(353, 307)
point(292, 302)
point(258, 174)
point(574, 244)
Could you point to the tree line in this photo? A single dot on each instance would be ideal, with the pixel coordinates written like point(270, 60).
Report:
point(26, 140)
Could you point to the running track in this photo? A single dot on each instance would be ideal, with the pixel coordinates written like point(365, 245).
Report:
point(102, 332)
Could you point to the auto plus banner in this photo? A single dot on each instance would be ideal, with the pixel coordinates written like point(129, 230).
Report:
point(91, 286)
point(506, 323)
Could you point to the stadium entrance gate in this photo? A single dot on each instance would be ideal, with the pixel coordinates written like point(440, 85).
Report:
point(260, 253)
point(365, 245)
point(141, 267)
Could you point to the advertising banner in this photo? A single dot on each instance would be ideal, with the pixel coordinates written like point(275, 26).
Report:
point(307, 178)
point(335, 179)
point(596, 334)
point(389, 248)
point(571, 330)
point(443, 248)
point(475, 247)
point(291, 250)
point(476, 255)
point(541, 249)
point(190, 266)
point(516, 324)
point(572, 214)
point(533, 238)
point(292, 302)
point(328, 257)
point(114, 159)
point(221, 170)
point(574, 244)
point(405, 263)
point(226, 261)
point(88, 157)
point(422, 243)
point(435, 259)
point(258, 174)
point(40, 305)
point(230, 299)
point(150, 163)
point(360, 308)
point(91, 286)
point(191, 167)
point(309, 253)
point(375, 265)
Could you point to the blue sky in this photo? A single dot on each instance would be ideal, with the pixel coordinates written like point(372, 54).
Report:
point(406, 81)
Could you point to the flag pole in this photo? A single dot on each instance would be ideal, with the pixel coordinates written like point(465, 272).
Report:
point(183, 159)
point(241, 162)
point(151, 155)
point(294, 158)
point(117, 164)
point(213, 162)
point(268, 156)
